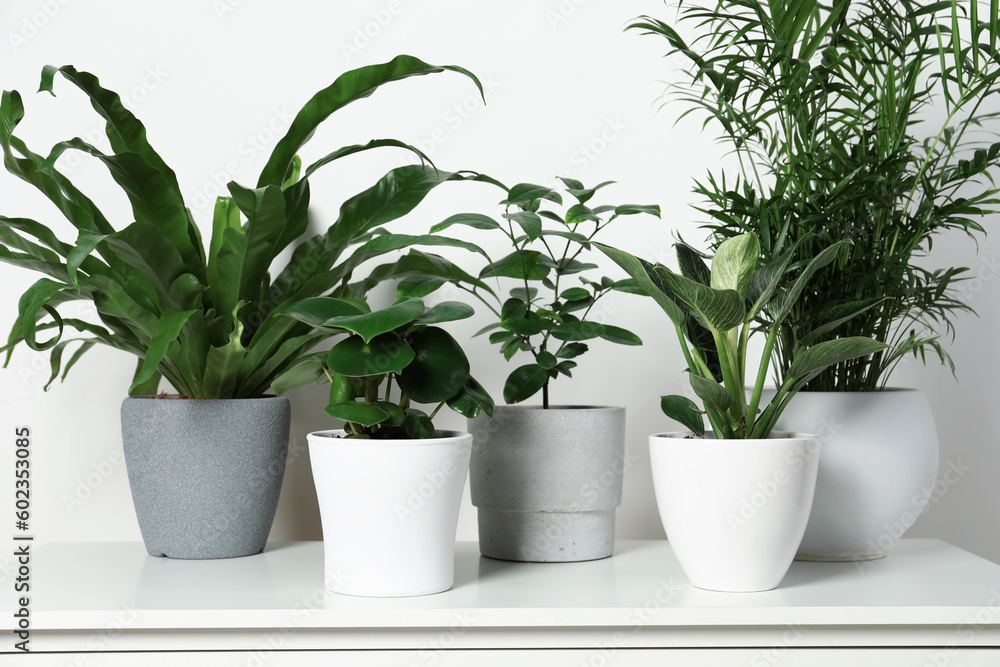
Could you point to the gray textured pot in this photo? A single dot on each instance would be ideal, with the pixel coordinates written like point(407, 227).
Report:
point(547, 482)
point(205, 474)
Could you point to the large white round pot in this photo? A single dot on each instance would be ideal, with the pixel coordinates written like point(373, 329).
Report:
point(877, 471)
point(389, 510)
point(205, 474)
point(734, 510)
point(546, 482)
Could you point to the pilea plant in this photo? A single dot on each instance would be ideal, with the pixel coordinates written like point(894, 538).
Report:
point(389, 358)
point(206, 319)
point(713, 312)
point(543, 315)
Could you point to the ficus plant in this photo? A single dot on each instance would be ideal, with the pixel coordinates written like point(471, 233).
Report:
point(871, 121)
point(713, 311)
point(389, 359)
point(547, 311)
point(206, 318)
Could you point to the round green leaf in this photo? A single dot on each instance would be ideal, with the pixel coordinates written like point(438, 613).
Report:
point(439, 369)
point(354, 357)
point(344, 389)
point(472, 400)
point(524, 383)
point(546, 360)
point(417, 424)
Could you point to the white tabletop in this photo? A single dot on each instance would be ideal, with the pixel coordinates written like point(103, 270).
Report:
point(925, 592)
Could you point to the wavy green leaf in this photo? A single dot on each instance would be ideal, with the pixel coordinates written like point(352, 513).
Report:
point(348, 87)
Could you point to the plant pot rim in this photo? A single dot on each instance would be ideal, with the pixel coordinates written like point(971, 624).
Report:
point(325, 437)
point(775, 436)
point(178, 397)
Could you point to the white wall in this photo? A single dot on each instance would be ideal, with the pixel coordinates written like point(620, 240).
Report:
point(216, 82)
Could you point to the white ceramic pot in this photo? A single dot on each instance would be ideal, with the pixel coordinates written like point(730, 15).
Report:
point(877, 471)
point(734, 510)
point(389, 510)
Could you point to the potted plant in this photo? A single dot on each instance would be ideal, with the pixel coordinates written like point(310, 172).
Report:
point(861, 121)
point(205, 469)
point(735, 506)
point(389, 484)
point(532, 505)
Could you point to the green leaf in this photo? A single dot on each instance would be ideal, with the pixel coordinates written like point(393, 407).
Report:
point(714, 394)
point(317, 311)
point(348, 87)
point(629, 286)
point(524, 194)
point(376, 323)
point(86, 242)
point(167, 329)
point(573, 266)
point(356, 357)
point(766, 282)
point(155, 201)
point(364, 414)
point(831, 352)
point(572, 350)
point(501, 337)
point(522, 265)
point(582, 194)
point(634, 209)
point(835, 316)
point(546, 360)
point(418, 425)
point(306, 370)
point(735, 263)
point(718, 310)
point(574, 294)
point(528, 221)
point(795, 291)
point(576, 331)
point(34, 299)
point(446, 311)
point(648, 280)
point(439, 370)
point(565, 367)
point(222, 365)
point(344, 389)
point(524, 382)
point(620, 335)
point(417, 287)
point(578, 213)
point(124, 131)
point(692, 266)
point(471, 400)
point(474, 220)
point(264, 209)
point(684, 410)
point(524, 295)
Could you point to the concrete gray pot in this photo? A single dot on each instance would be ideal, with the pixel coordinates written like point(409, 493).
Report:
point(547, 482)
point(205, 474)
